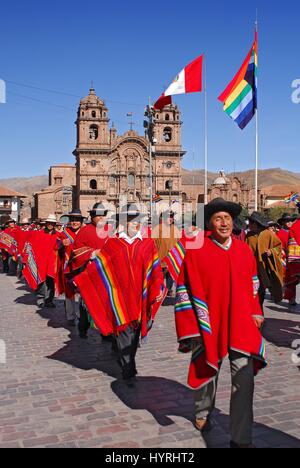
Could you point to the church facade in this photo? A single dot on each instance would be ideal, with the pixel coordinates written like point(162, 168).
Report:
point(115, 168)
point(109, 165)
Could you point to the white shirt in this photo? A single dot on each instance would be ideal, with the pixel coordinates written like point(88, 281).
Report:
point(130, 240)
point(224, 247)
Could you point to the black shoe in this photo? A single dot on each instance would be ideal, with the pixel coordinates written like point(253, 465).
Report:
point(130, 382)
point(49, 305)
point(234, 445)
point(83, 336)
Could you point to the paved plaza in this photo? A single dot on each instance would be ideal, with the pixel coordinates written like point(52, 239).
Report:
point(57, 390)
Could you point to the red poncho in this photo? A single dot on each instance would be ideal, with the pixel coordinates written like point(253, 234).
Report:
point(40, 258)
point(121, 285)
point(216, 301)
point(293, 271)
point(9, 242)
point(89, 239)
point(176, 256)
point(63, 257)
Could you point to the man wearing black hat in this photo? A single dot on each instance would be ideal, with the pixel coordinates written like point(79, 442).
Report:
point(218, 314)
point(89, 241)
point(267, 249)
point(65, 248)
point(123, 288)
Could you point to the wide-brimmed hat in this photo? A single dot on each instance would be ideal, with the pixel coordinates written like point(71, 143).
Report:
point(10, 220)
point(51, 219)
point(24, 221)
point(285, 218)
point(259, 219)
point(98, 210)
point(218, 205)
point(130, 211)
point(76, 213)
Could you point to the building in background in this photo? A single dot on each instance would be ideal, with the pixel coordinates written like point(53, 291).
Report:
point(10, 204)
point(229, 188)
point(58, 197)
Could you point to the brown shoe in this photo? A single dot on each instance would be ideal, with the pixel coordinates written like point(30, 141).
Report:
point(203, 424)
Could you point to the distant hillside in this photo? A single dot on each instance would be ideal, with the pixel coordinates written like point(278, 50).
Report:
point(266, 178)
point(27, 185)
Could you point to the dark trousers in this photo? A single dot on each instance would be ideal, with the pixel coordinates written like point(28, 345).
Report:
point(12, 266)
point(45, 292)
point(126, 346)
point(5, 261)
point(83, 323)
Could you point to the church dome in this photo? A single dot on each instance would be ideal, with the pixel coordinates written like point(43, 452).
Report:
point(92, 99)
point(221, 180)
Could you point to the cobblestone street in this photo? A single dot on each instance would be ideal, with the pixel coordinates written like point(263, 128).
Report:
point(57, 390)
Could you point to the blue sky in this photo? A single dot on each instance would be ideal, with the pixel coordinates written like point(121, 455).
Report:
point(132, 50)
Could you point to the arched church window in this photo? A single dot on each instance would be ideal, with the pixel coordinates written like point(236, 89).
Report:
point(93, 185)
point(93, 114)
point(94, 163)
point(235, 198)
point(93, 132)
point(131, 180)
point(167, 135)
point(167, 117)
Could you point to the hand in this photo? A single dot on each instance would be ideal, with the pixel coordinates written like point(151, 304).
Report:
point(258, 321)
point(96, 253)
point(160, 297)
point(269, 253)
point(66, 243)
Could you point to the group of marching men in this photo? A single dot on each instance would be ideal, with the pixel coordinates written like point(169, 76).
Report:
point(122, 270)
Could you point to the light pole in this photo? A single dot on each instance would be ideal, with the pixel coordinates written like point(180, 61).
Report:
point(149, 127)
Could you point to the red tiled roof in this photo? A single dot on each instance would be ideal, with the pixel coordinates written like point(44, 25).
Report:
point(6, 192)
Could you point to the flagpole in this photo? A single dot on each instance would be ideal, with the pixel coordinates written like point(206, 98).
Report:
point(256, 134)
point(205, 137)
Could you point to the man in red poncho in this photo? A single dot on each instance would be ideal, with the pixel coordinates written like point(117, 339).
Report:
point(88, 243)
point(218, 314)
point(123, 288)
point(40, 263)
point(66, 241)
point(9, 247)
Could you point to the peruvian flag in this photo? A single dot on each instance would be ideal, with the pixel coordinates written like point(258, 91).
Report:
point(189, 80)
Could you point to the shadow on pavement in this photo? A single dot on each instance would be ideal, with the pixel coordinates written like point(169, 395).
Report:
point(281, 333)
point(163, 398)
point(263, 436)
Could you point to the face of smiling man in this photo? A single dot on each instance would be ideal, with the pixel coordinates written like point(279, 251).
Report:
point(221, 225)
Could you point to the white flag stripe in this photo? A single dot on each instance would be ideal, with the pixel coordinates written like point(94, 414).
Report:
point(178, 85)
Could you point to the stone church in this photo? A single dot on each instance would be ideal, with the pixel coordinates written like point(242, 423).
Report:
point(109, 165)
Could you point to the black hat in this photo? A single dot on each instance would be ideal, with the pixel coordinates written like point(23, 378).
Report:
point(130, 211)
point(98, 210)
point(259, 219)
point(76, 214)
point(285, 218)
point(219, 204)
